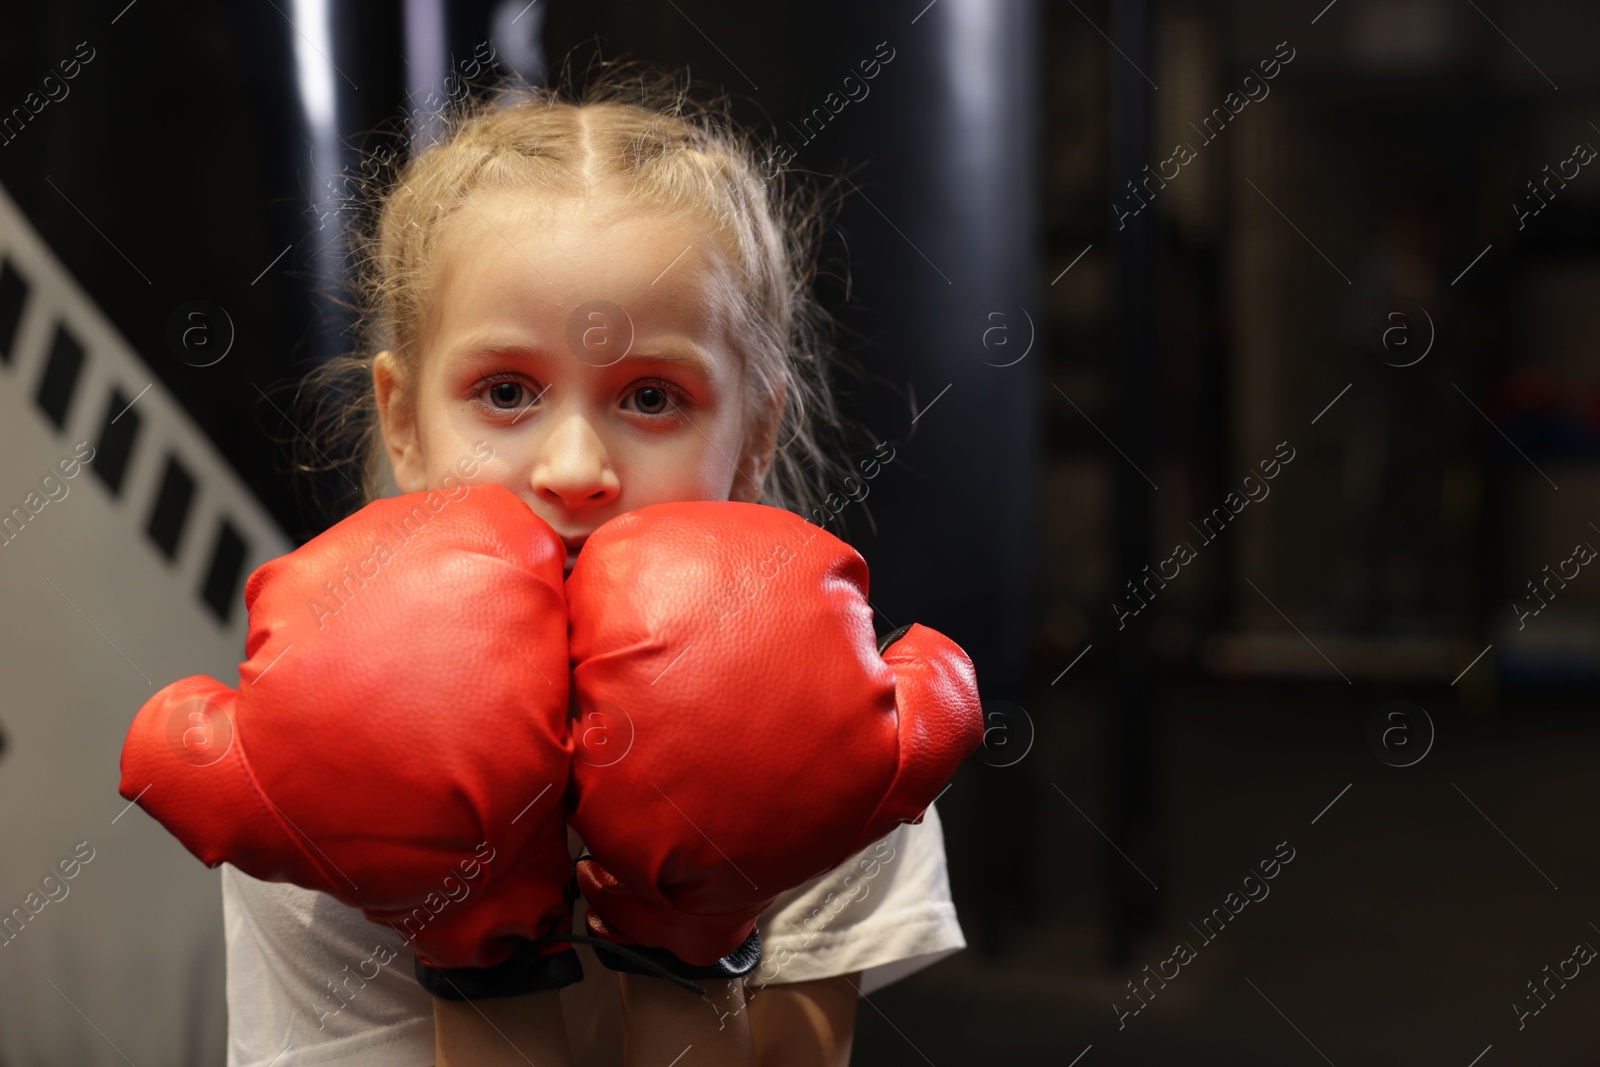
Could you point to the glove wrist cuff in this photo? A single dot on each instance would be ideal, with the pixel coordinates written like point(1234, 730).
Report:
point(637, 959)
point(529, 969)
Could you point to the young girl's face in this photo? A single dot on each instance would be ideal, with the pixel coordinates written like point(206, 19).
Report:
point(591, 344)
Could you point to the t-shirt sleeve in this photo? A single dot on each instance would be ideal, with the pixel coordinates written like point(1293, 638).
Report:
point(886, 912)
point(314, 976)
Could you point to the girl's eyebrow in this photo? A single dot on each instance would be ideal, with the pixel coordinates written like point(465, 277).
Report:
point(669, 350)
point(475, 348)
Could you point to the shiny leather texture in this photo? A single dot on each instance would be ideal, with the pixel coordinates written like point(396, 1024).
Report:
point(768, 740)
point(399, 735)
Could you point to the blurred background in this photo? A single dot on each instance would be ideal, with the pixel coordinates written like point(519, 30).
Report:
point(1240, 362)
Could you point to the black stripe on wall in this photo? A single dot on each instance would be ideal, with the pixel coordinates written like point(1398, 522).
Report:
point(172, 507)
point(116, 441)
point(60, 376)
point(221, 587)
point(13, 294)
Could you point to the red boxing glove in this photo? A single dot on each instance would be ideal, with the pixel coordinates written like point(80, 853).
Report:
point(399, 736)
point(766, 738)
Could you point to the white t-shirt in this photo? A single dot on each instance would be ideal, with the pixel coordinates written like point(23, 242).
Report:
point(311, 981)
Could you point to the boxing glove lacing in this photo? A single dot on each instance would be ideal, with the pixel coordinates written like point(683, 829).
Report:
point(891, 637)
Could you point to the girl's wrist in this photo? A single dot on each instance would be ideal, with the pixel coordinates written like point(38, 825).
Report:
point(664, 1022)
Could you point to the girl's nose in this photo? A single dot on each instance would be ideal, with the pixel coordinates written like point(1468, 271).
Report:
point(574, 467)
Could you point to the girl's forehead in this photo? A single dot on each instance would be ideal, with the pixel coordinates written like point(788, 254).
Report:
point(553, 213)
point(536, 222)
point(525, 261)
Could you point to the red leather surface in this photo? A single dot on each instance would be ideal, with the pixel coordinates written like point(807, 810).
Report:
point(768, 739)
point(387, 752)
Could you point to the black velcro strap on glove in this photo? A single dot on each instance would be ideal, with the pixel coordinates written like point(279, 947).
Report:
point(526, 970)
point(736, 964)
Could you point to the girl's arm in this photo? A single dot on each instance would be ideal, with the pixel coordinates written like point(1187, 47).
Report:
point(664, 1023)
point(805, 1024)
point(500, 1030)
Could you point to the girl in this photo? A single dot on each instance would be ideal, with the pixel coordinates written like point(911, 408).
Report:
point(607, 302)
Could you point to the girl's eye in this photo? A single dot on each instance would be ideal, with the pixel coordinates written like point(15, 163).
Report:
point(652, 401)
point(505, 394)
point(656, 399)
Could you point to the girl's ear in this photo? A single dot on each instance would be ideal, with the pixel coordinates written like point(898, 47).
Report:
point(761, 442)
point(397, 421)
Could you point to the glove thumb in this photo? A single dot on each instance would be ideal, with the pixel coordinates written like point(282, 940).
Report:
point(940, 724)
point(185, 764)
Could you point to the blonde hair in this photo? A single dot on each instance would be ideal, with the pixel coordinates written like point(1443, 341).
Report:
point(644, 137)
